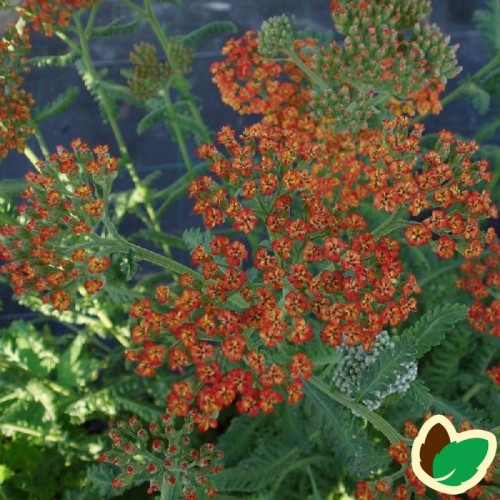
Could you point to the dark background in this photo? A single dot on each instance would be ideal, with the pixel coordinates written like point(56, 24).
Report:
point(154, 151)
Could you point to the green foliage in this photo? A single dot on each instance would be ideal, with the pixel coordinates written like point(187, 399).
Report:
point(194, 237)
point(391, 366)
point(239, 439)
point(11, 187)
point(116, 91)
point(75, 369)
point(61, 103)
point(440, 371)
point(117, 27)
point(479, 97)
point(431, 328)
point(332, 421)
point(488, 22)
point(153, 117)
point(53, 61)
point(271, 460)
point(209, 30)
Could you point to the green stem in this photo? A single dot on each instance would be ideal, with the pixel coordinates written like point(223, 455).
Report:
point(306, 69)
point(316, 495)
point(134, 7)
point(179, 136)
point(390, 224)
point(32, 157)
point(462, 88)
point(111, 118)
point(376, 420)
point(168, 491)
point(121, 245)
point(161, 35)
point(442, 270)
point(472, 392)
point(29, 432)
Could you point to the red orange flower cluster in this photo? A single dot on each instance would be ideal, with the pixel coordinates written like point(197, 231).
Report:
point(481, 279)
point(432, 184)
point(44, 248)
point(321, 274)
point(15, 102)
point(169, 452)
point(48, 16)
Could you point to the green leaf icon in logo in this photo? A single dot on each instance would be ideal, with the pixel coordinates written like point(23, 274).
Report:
point(459, 461)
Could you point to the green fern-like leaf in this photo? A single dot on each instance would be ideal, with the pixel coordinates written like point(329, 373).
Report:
point(459, 410)
point(23, 345)
point(431, 328)
point(100, 476)
point(268, 464)
point(155, 116)
point(353, 449)
point(121, 296)
point(488, 22)
point(421, 394)
point(382, 374)
point(187, 124)
point(118, 92)
point(142, 410)
point(117, 27)
point(102, 401)
point(76, 369)
point(61, 103)
point(193, 237)
point(11, 187)
point(239, 438)
point(92, 85)
point(440, 372)
point(55, 61)
point(479, 98)
point(213, 29)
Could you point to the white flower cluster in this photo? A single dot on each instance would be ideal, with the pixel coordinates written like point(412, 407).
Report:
point(355, 360)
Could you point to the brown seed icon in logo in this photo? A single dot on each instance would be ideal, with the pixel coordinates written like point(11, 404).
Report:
point(437, 438)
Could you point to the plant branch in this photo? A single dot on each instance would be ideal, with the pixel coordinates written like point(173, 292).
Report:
point(375, 419)
point(111, 118)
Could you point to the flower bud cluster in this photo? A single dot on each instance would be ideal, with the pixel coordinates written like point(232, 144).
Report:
point(48, 16)
point(149, 74)
point(377, 63)
point(481, 277)
point(400, 14)
point(355, 360)
point(15, 102)
point(276, 34)
point(44, 248)
point(162, 451)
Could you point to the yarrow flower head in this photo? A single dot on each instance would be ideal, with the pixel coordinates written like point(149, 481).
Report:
point(45, 248)
point(320, 274)
point(47, 16)
point(170, 455)
point(15, 101)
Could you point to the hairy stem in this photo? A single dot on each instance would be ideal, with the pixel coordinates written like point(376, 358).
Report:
point(374, 418)
point(161, 35)
point(111, 118)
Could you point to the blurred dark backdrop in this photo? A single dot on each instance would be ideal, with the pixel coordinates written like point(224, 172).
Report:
point(154, 151)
